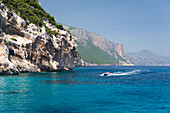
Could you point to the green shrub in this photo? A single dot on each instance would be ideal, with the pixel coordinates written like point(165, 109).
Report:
point(50, 32)
point(30, 10)
point(14, 39)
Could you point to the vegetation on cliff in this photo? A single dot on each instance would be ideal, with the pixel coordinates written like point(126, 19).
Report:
point(93, 54)
point(49, 31)
point(31, 11)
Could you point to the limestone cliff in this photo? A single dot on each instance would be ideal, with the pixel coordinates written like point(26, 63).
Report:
point(115, 50)
point(29, 48)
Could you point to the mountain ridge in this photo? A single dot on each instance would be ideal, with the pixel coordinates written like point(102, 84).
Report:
point(115, 50)
point(148, 58)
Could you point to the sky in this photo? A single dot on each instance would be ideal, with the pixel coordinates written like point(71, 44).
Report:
point(137, 24)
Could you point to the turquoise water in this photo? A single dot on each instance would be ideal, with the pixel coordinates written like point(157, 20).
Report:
point(83, 90)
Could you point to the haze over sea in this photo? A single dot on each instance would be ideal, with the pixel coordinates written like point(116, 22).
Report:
point(83, 90)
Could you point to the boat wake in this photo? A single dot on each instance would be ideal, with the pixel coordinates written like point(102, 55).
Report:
point(134, 72)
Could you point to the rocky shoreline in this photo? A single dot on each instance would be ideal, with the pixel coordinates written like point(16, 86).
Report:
point(92, 64)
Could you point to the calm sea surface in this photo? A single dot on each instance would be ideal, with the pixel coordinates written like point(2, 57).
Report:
point(83, 90)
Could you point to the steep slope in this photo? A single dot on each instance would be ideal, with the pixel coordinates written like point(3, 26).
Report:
point(115, 51)
point(93, 54)
point(33, 43)
point(148, 58)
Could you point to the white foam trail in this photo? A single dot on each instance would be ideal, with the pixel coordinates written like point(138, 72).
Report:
point(123, 73)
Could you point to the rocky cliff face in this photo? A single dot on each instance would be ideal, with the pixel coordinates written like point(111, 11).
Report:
point(114, 49)
point(28, 48)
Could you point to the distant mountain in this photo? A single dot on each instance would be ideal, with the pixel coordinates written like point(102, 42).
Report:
point(94, 48)
point(148, 58)
point(146, 53)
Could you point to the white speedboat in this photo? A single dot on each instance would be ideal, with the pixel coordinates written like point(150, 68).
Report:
point(106, 74)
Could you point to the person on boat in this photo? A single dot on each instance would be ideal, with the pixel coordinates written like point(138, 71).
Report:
point(106, 73)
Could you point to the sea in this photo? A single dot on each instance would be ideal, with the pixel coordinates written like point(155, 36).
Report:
point(128, 89)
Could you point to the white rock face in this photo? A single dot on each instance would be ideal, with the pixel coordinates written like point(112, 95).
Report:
point(31, 49)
